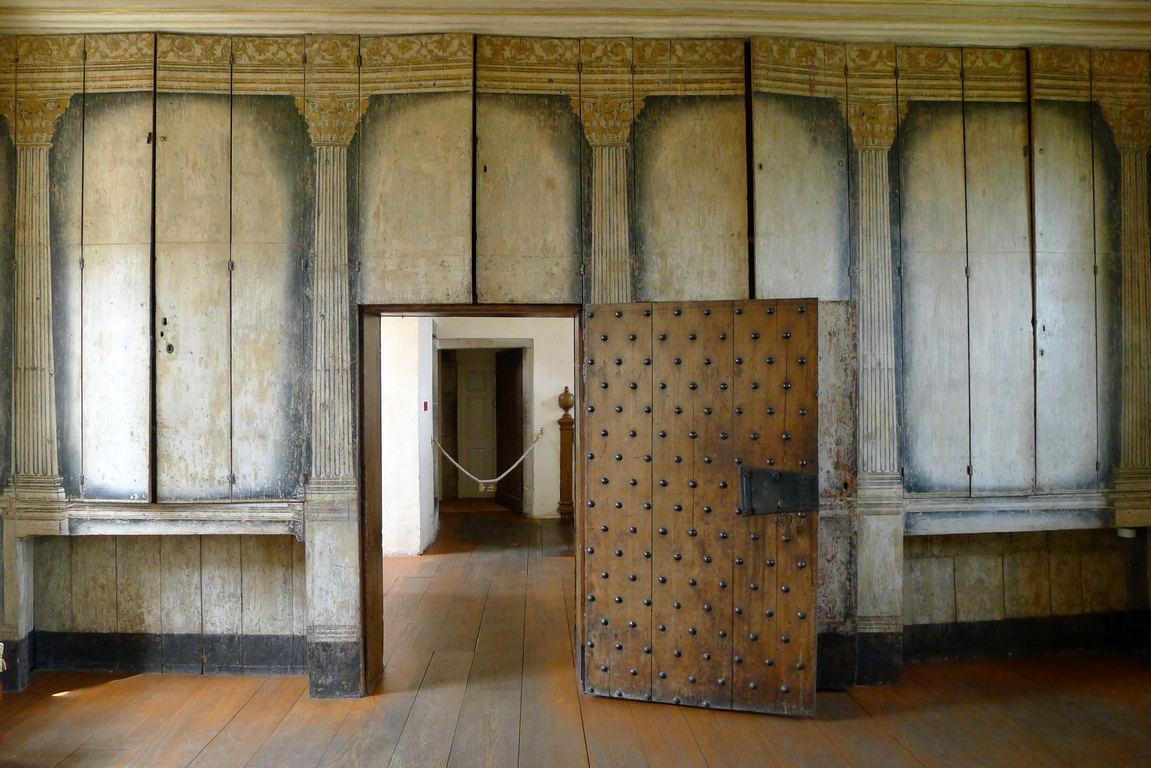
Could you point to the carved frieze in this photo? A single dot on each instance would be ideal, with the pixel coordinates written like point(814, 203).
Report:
point(689, 68)
point(541, 65)
point(119, 62)
point(194, 64)
point(8, 82)
point(268, 65)
point(994, 74)
point(416, 63)
point(1061, 74)
point(798, 67)
point(928, 74)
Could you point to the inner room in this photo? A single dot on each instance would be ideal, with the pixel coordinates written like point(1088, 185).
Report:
point(483, 389)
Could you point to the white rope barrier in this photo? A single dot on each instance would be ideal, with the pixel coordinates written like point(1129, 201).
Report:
point(501, 477)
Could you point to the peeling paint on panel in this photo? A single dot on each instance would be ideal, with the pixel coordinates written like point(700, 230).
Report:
point(835, 592)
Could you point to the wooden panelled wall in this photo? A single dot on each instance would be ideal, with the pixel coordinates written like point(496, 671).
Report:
point(253, 190)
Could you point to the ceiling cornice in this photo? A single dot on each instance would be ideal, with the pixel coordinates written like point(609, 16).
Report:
point(1095, 23)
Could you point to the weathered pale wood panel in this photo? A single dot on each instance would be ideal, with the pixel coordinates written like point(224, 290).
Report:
point(180, 598)
point(801, 197)
point(65, 178)
point(1066, 431)
point(415, 199)
point(299, 590)
point(837, 401)
point(1108, 285)
point(52, 575)
point(272, 207)
point(138, 584)
point(268, 585)
point(7, 241)
point(193, 213)
point(117, 294)
point(934, 257)
point(220, 584)
point(1002, 350)
point(928, 590)
point(979, 587)
point(528, 215)
point(94, 602)
point(691, 198)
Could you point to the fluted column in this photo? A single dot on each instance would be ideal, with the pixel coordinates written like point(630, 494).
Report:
point(332, 108)
point(332, 454)
point(610, 257)
point(872, 116)
point(1121, 81)
point(50, 71)
point(606, 107)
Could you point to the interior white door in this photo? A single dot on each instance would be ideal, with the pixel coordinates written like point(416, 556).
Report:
point(476, 382)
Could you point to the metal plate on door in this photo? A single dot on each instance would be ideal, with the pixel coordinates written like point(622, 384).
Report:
point(771, 492)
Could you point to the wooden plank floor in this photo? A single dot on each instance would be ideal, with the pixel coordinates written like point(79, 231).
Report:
point(479, 673)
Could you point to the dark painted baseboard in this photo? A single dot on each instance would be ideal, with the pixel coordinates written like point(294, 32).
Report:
point(1041, 635)
point(835, 661)
point(132, 652)
point(18, 655)
point(880, 656)
point(336, 670)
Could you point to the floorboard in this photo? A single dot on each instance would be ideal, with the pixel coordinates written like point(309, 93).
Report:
point(479, 655)
point(427, 737)
point(250, 727)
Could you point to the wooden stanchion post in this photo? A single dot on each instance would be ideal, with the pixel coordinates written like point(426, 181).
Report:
point(567, 432)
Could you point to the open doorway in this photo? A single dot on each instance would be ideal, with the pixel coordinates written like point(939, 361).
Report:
point(417, 365)
point(480, 421)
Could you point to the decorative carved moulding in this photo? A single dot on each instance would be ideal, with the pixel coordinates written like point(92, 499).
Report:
point(269, 66)
point(607, 102)
point(416, 63)
point(8, 82)
point(49, 70)
point(871, 92)
point(119, 63)
point(194, 64)
point(542, 65)
point(688, 68)
point(798, 67)
point(928, 74)
point(332, 105)
point(994, 74)
point(1061, 74)
point(1121, 83)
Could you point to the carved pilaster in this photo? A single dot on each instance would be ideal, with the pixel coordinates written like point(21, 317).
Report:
point(332, 107)
point(50, 71)
point(872, 116)
point(1121, 83)
point(606, 107)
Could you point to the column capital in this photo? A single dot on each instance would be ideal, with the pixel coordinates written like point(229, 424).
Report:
point(871, 109)
point(332, 105)
point(607, 119)
point(50, 68)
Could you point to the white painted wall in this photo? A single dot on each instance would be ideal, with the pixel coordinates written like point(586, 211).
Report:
point(407, 471)
point(552, 359)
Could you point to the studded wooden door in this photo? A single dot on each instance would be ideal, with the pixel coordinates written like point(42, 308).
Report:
point(684, 600)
